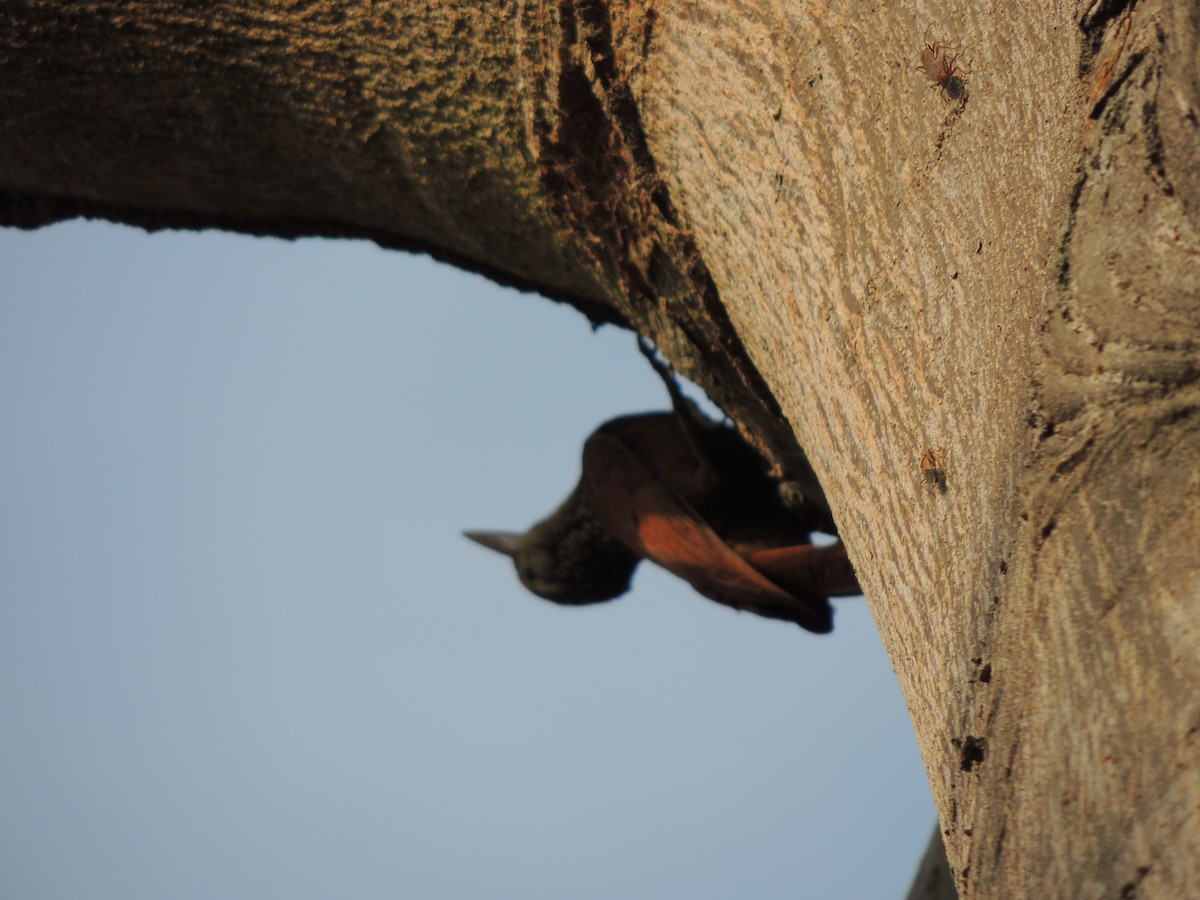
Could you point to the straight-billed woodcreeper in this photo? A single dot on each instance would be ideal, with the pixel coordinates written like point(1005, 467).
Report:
point(689, 494)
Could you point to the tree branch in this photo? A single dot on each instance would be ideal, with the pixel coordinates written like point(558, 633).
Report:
point(848, 261)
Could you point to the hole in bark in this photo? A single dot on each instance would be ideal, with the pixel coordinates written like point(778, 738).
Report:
point(1129, 889)
point(971, 754)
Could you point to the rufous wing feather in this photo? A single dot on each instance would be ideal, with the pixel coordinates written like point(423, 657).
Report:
point(658, 524)
point(804, 569)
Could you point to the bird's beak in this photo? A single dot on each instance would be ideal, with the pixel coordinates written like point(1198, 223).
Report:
point(506, 542)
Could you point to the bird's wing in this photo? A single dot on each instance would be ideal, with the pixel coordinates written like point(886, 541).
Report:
point(805, 569)
point(659, 524)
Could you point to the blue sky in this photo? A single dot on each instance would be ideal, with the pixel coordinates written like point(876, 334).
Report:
point(245, 652)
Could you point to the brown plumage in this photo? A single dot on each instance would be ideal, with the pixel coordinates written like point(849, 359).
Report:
point(690, 495)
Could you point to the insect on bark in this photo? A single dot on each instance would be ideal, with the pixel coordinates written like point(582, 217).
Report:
point(933, 470)
point(939, 62)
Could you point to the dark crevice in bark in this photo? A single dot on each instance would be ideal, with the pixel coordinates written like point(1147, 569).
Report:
point(1094, 25)
point(604, 188)
point(597, 166)
point(1115, 84)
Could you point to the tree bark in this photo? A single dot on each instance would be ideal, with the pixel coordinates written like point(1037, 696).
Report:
point(849, 262)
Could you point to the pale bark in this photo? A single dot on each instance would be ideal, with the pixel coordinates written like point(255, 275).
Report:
point(838, 253)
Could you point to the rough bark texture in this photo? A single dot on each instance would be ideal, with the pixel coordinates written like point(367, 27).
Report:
point(849, 261)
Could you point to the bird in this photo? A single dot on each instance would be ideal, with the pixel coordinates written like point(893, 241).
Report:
point(688, 493)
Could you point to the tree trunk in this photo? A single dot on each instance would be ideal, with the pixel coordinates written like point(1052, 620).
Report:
point(992, 256)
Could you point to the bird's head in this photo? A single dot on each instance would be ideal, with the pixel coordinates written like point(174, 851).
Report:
point(568, 557)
